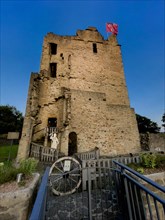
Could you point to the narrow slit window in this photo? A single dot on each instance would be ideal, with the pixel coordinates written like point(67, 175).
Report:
point(53, 70)
point(53, 48)
point(94, 48)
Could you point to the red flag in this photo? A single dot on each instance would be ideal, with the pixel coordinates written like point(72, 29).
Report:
point(111, 27)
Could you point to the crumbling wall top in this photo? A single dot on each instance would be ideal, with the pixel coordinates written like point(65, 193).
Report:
point(89, 34)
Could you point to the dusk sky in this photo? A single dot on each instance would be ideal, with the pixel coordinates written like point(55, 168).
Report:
point(141, 33)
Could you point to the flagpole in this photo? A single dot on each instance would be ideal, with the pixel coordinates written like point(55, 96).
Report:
point(106, 30)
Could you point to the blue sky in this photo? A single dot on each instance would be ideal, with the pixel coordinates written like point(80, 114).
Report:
point(141, 33)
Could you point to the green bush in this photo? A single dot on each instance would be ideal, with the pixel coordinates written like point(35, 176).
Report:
point(8, 172)
point(136, 167)
point(148, 160)
point(28, 166)
point(133, 166)
point(140, 170)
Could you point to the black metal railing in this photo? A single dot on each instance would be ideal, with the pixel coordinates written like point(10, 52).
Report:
point(140, 197)
point(39, 208)
point(110, 193)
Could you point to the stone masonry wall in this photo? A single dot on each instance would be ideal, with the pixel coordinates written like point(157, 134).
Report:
point(87, 95)
point(153, 142)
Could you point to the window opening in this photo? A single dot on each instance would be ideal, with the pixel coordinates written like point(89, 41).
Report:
point(53, 48)
point(94, 48)
point(69, 61)
point(52, 126)
point(72, 145)
point(52, 122)
point(53, 70)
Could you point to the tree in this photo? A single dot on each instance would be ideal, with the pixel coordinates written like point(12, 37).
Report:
point(163, 120)
point(10, 119)
point(146, 125)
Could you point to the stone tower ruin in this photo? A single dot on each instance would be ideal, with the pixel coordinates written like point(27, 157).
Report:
point(80, 93)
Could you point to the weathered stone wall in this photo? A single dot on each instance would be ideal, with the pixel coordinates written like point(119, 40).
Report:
point(157, 142)
point(30, 117)
point(153, 142)
point(88, 95)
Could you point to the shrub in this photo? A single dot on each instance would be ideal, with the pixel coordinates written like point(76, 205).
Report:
point(136, 167)
point(133, 166)
point(148, 160)
point(140, 170)
point(7, 173)
point(28, 166)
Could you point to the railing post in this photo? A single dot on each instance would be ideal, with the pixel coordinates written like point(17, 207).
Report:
point(127, 194)
point(134, 190)
point(89, 193)
point(30, 149)
point(40, 153)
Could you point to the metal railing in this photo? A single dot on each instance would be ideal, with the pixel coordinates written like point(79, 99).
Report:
point(110, 192)
point(39, 208)
point(51, 130)
point(141, 198)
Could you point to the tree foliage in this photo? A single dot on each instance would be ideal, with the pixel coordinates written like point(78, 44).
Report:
point(146, 125)
point(10, 119)
point(163, 120)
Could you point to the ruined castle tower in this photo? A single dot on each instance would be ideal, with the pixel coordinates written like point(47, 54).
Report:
point(80, 93)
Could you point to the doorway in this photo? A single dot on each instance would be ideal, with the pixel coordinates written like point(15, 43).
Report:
point(72, 145)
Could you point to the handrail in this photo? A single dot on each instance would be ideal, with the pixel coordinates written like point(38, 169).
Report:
point(138, 200)
point(145, 189)
point(140, 176)
point(38, 212)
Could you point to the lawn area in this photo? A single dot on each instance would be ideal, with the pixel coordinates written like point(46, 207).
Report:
point(5, 150)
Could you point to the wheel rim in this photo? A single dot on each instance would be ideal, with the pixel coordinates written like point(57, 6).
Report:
point(65, 176)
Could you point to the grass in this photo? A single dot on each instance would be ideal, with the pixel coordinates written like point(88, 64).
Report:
point(5, 150)
point(8, 172)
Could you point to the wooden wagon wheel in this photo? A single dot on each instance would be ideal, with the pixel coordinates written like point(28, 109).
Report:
point(65, 176)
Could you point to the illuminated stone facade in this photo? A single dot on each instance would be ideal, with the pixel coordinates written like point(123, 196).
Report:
point(81, 91)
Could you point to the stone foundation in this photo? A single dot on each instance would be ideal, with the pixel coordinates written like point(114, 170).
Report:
point(15, 205)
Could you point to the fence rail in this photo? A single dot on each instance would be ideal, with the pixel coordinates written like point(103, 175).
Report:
point(89, 155)
point(104, 163)
point(44, 154)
